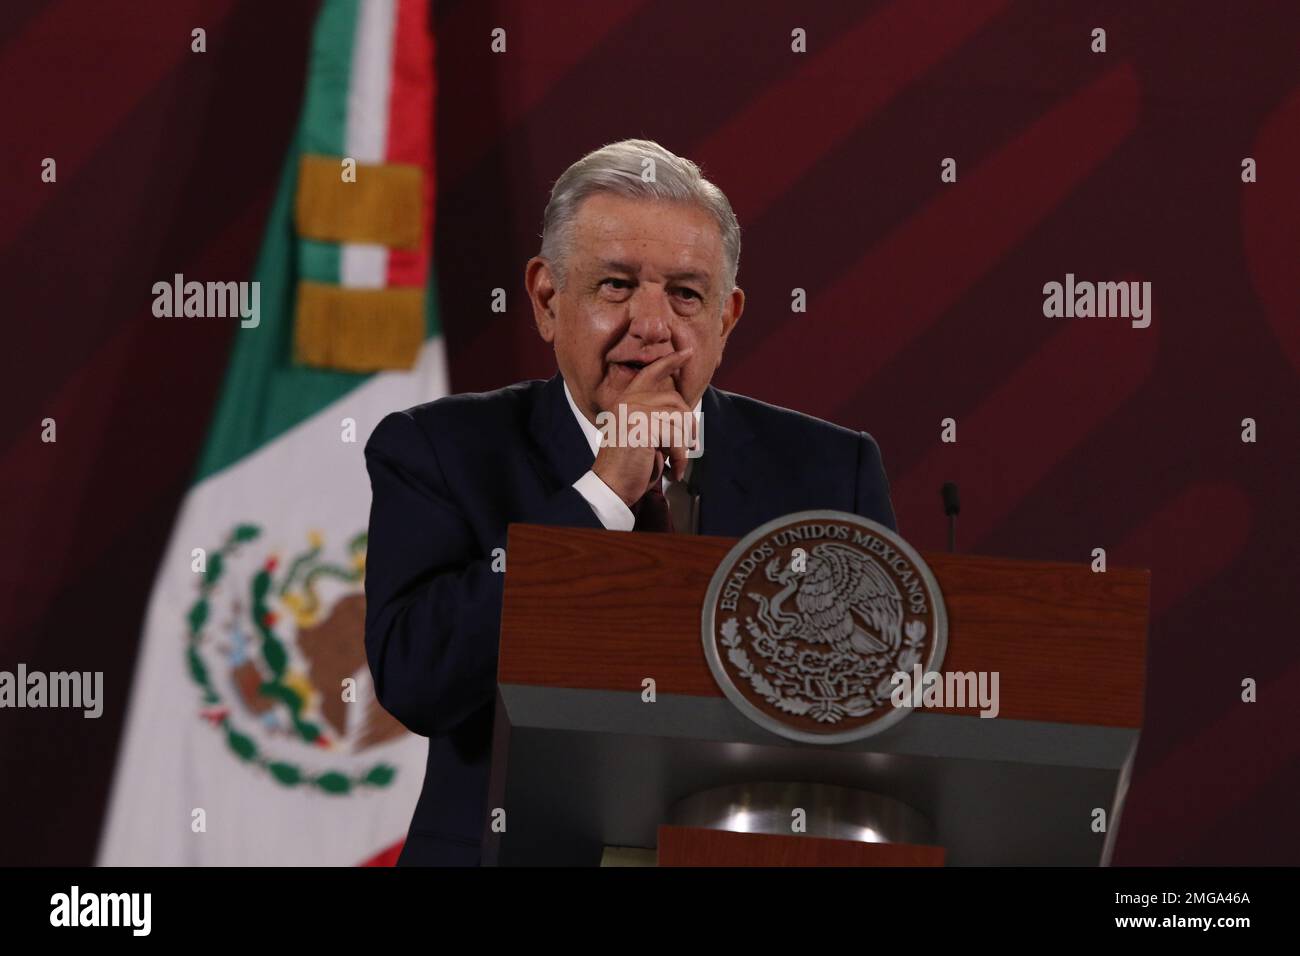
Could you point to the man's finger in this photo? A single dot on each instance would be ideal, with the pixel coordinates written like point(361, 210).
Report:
point(657, 472)
point(661, 367)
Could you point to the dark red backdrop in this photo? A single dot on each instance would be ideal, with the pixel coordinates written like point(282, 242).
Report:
point(925, 303)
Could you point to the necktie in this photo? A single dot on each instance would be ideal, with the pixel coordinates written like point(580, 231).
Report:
point(652, 512)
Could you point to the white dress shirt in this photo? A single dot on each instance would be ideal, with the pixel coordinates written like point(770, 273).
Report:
point(609, 507)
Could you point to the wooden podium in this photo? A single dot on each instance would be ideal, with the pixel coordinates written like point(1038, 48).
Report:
point(581, 761)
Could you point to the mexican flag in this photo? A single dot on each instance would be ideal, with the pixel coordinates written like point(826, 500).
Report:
point(253, 735)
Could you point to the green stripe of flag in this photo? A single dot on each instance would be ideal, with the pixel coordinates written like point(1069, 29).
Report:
point(264, 394)
point(329, 76)
point(325, 115)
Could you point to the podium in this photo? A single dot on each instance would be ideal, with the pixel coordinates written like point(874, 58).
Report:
point(583, 759)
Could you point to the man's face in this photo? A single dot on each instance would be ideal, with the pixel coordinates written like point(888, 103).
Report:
point(642, 279)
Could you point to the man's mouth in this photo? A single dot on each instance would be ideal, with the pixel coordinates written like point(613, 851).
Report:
point(623, 372)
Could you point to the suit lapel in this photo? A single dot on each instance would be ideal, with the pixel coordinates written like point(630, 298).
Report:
point(731, 469)
point(560, 450)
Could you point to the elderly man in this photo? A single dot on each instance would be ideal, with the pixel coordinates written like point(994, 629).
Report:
point(635, 289)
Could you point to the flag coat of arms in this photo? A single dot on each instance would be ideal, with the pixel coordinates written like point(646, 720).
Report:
point(253, 736)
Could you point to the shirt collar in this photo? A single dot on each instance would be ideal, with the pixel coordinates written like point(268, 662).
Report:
point(591, 432)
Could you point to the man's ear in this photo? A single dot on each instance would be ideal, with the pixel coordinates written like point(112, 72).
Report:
point(539, 280)
point(731, 312)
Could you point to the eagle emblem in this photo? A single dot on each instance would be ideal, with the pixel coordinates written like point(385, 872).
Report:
point(809, 618)
point(839, 582)
point(276, 650)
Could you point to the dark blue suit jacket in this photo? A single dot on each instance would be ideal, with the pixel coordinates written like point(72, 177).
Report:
point(450, 475)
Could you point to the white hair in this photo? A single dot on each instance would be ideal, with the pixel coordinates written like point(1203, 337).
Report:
point(620, 168)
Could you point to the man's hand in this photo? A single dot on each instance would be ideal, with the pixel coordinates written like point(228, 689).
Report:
point(631, 471)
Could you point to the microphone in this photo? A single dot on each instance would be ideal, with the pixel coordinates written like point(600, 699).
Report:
point(952, 508)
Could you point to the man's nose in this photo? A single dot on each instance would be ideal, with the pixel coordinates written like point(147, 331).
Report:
point(650, 315)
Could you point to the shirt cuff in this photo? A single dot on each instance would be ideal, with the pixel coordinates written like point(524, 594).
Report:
point(609, 507)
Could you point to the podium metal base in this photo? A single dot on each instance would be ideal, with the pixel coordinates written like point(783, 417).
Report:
point(839, 813)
